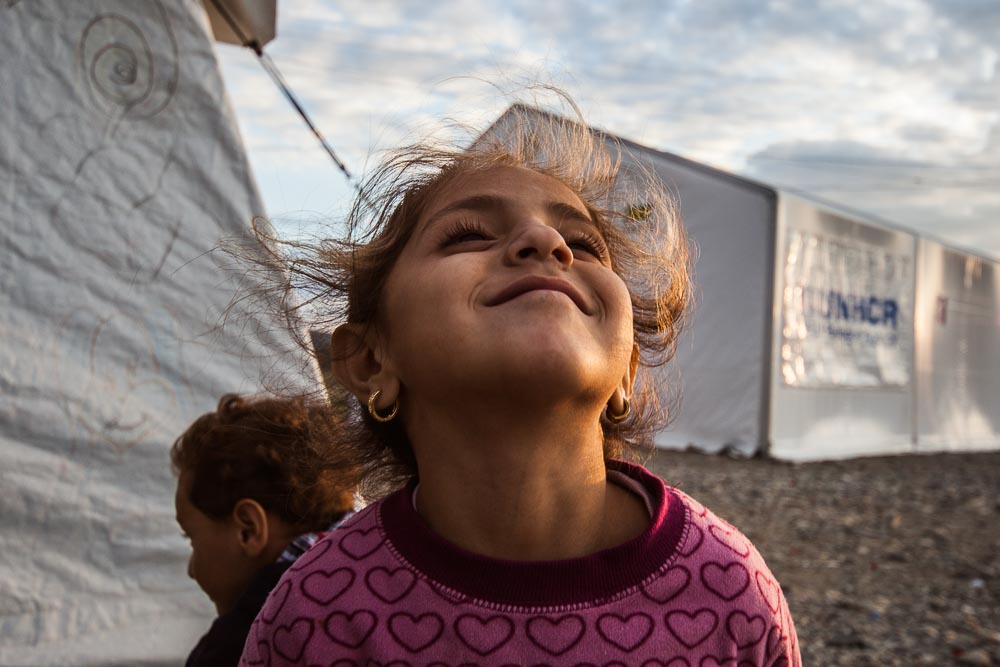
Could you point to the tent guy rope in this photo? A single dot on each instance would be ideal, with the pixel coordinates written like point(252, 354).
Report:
point(272, 70)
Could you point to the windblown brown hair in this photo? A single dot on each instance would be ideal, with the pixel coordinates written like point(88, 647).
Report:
point(339, 280)
point(275, 451)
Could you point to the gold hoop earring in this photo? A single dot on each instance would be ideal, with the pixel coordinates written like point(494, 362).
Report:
point(373, 411)
point(622, 416)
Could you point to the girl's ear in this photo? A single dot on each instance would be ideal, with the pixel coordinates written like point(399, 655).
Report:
point(358, 365)
point(628, 380)
point(617, 409)
point(252, 526)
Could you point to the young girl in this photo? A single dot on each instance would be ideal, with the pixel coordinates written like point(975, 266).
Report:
point(500, 317)
point(252, 496)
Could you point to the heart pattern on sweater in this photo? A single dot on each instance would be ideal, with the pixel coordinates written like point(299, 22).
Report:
point(713, 661)
point(317, 551)
point(727, 538)
point(665, 588)
point(276, 602)
point(693, 541)
point(390, 586)
point(324, 587)
point(290, 640)
point(770, 591)
point(415, 632)
point(696, 508)
point(484, 635)
point(361, 543)
point(263, 658)
point(555, 635)
point(726, 581)
point(773, 640)
point(627, 633)
point(350, 630)
point(745, 630)
point(691, 629)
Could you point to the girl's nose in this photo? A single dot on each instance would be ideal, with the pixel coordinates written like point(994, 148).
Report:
point(537, 241)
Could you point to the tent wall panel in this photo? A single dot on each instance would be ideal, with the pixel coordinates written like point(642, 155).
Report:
point(958, 350)
point(723, 351)
point(121, 168)
point(841, 406)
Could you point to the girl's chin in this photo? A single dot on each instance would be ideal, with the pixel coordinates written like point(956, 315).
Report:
point(558, 370)
point(559, 352)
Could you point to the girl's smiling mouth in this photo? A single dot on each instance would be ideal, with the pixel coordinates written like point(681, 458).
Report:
point(536, 283)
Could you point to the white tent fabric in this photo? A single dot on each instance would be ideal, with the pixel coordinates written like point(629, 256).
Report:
point(120, 169)
point(720, 367)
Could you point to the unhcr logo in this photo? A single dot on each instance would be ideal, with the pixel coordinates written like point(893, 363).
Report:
point(836, 306)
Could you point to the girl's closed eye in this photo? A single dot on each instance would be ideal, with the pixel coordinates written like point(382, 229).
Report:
point(590, 243)
point(465, 231)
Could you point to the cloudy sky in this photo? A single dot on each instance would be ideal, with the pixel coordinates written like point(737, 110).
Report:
point(891, 107)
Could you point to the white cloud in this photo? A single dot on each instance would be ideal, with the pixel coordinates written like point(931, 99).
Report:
point(717, 80)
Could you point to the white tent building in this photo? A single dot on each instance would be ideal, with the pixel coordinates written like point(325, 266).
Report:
point(120, 169)
point(823, 333)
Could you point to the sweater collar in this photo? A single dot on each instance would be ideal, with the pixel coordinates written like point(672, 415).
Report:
point(570, 582)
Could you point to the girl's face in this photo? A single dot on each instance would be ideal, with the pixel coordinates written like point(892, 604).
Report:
point(506, 286)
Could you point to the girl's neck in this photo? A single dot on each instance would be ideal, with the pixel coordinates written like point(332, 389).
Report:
point(521, 488)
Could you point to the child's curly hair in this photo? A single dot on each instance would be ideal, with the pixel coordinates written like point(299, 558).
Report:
point(271, 450)
point(337, 280)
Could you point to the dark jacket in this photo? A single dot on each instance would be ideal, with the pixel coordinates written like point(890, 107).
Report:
point(222, 645)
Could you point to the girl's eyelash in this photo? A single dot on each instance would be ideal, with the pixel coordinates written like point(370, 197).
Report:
point(461, 228)
point(592, 242)
point(595, 244)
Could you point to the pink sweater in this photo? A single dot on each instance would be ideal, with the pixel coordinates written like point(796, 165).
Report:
point(691, 591)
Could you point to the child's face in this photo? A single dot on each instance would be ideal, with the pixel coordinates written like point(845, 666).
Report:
point(506, 285)
point(217, 564)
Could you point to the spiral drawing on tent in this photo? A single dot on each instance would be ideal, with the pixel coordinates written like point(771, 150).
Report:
point(120, 170)
point(123, 74)
point(139, 395)
point(129, 82)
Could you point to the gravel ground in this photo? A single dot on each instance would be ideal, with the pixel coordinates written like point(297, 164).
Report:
point(884, 561)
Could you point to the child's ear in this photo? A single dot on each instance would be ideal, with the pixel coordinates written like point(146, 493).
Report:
point(358, 364)
point(252, 526)
point(628, 380)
